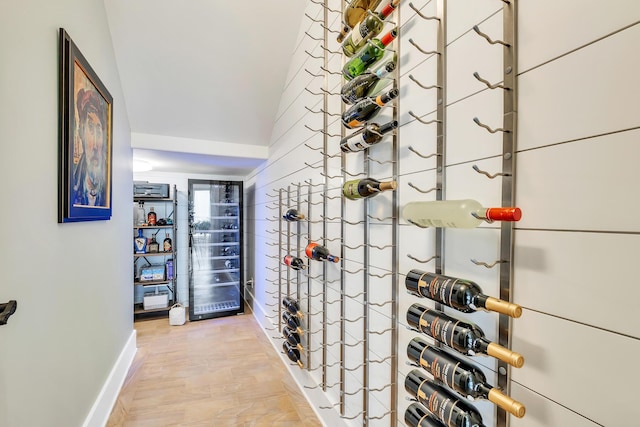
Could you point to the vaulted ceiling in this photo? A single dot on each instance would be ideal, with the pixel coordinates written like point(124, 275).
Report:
point(202, 79)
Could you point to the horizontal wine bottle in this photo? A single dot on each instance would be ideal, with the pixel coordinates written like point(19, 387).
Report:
point(366, 187)
point(294, 262)
point(356, 10)
point(367, 108)
point(292, 306)
point(292, 321)
point(368, 55)
point(293, 215)
point(365, 137)
point(466, 338)
point(369, 27)
point(292, 337)
point(292, 353)
point(319, 253)
point(462, 377)
point(362, 85)
point(417, 416)
point(444, 404)
point(465, 213)
point(463, 295)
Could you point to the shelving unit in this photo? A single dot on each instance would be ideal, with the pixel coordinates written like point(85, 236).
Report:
point(165, 261)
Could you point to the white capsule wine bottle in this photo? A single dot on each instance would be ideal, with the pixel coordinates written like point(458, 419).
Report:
point(366, 187)
point(292, 353)
point(319, 253)
point(365, 137)
point(417, 416)
point(370, 26)
point(366, 109)
point(462, 377)
point(444, 404)
point(456, 213)
point(463, 295)
point(361, 86)
point(466, 338)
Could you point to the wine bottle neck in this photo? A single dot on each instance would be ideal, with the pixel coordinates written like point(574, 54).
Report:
point(390, 185)
point(387, 127)
point(389, 37)
point(387, 10)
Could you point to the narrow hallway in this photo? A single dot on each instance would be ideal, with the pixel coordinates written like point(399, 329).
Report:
point(217, 372)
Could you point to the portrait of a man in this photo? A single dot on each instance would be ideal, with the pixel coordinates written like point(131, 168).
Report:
point(90, 178)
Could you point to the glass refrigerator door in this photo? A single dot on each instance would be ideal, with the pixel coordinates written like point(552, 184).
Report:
point(215, 240)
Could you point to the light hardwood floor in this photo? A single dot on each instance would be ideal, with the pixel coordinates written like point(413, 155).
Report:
point(217, 372)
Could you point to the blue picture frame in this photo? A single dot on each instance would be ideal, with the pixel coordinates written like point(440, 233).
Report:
point(85, 139)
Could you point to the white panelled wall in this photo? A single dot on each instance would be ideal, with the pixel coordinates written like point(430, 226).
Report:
point(575, 247)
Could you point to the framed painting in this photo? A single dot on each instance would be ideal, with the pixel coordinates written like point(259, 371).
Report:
point(86, 123)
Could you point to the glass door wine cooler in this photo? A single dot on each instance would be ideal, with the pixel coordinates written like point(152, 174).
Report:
point(215, 244)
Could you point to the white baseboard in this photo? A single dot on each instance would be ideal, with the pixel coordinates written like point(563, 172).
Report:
point(101, 409)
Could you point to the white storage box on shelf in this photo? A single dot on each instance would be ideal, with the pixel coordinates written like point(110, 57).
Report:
point(154, 300)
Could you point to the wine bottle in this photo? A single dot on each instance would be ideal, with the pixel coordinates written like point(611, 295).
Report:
point(292, 306)
point(292, 337)
point(151, 217)
point(141, 216)
point(417, 416)
point(442, 403)
point(167, 243)
point(366, 187)
point(372, 51)
point(366, 29)
point(463, 295)
point(355, 12)
point(140, 243)
point(456, 213)
point(292, 353)
point(319, 253)
point(466, 338)
point(464, 378)
point(294, 262)
point(359, 87)
point(343, 32)
point(366, 109)
point(153, 246)
point(293, 215)
point(365, 137)
point(292, 321)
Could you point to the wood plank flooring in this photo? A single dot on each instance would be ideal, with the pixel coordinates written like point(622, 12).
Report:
point(218, 372)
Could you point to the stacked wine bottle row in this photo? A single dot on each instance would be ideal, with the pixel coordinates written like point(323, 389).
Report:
point(292, 330)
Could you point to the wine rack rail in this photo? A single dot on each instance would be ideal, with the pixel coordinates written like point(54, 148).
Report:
point(314, 287)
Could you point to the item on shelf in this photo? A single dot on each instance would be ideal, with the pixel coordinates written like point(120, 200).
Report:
point(464, 378)
point(362, 85)
point(366, 187)
point(463, 295)
point(367, 28)
point(365, 137)
point(144, 189)
point(355, 11)
point(319, 253)
point(140, 243)
point(293, 215)
point(292, 306)
point(153, 246)
point(417, 416)
point(151, 217)
point(292, 321)
point(169, 268)
point(367, 108)
point(368, 55)
point(150, 273)
point(155, 300)
point(141, 216)
point(466, 338)
point(292, 337)
point(292, 353)
point(167, 243)
point(444, 404)
point(294, 262)
point(465, 213)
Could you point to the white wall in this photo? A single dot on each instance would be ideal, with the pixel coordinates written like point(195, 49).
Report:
point(575, 246)
point(72, 282)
